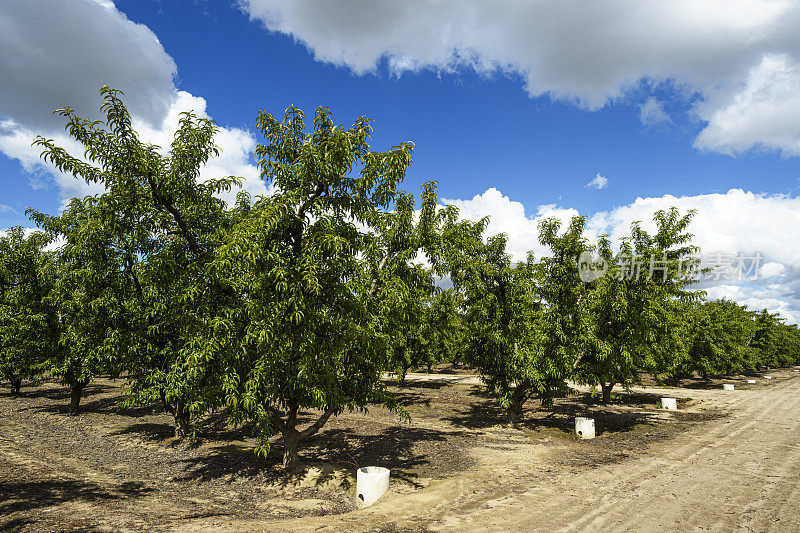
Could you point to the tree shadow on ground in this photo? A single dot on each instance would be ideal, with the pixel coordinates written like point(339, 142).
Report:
point(410, 385)
point(332, 450)
point(699, 384)
point(561, 416)
point(480, 415)
point(409, 398)
point(26, 496)
point(59, 392)
point(623, 397)
point(114, 405)
point(216, 427)
point(102, 405)
point(213, 428)
point(149, 431)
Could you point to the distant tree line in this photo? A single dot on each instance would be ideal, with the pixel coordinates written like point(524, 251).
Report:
point(302, 300)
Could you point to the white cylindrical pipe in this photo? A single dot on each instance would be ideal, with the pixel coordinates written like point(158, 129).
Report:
point(728, 386)
point(371, 483)
point(795, 370)
point(584, 427)
point(767, 377)
point(669, 403)
point(751, 381)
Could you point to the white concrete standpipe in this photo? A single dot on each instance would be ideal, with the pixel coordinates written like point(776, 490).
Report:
point(751, 381)
point(371, 483)
point(728, 386)
point(669, 403)
point(584, 427)
point(767, 377)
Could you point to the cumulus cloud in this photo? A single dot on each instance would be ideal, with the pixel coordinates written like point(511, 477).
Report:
point(776, 298)
point(509, 217)
point(54, 54)
point(598, 182)
point(765, 113)
point(772, 270)
point(734, 223)
point(585, 52)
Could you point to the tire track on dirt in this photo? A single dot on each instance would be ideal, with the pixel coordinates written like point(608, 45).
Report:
point(621, 497)
point(715, 465)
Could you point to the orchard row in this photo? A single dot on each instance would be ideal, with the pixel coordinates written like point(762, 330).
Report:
point(303, 299)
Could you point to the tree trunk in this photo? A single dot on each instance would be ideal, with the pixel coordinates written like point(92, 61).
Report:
point(518, 398)
point(292, 437)
point(607, 387)
point(179, 413)
point(75, 390)
point(16, 385)
point(164, 403)
point(182, 426)
point(401, 381)
point(291, 442)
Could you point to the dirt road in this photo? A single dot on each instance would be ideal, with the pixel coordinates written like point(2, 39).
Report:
point(738, 472)
point(742, 472)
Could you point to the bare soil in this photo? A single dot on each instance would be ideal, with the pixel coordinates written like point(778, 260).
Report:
point(725, 460)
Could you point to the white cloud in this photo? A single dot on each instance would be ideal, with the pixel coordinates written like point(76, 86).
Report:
point(772, 270)
point(585, 52)
point(776, 299)
point(651, 113)
point(598, 182)
point(764, 113)
point(7, 210)
point(509, 217)
point(736, 222)
point(54, 54)
point(15, 142)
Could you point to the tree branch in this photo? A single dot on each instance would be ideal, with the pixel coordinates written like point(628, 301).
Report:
point(276, 420)
point(381, 265)
point(316, 426)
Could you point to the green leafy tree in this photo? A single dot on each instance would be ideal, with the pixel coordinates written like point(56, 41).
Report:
point(720, 338)
point(523, 321)
point(632, 308)
point(163, 226)
point(89, 296)
point(27, 332)
point(768, 341)
point(319, 267)
point(788, 343)
point(637, 323)
point(428, 333)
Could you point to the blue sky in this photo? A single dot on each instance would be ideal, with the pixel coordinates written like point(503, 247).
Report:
point(513, 113)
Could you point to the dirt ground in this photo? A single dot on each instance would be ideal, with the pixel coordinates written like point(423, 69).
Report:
point(727, 460)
